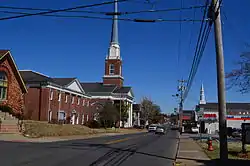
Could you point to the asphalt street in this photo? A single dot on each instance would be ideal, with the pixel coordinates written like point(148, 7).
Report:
point(147, 149)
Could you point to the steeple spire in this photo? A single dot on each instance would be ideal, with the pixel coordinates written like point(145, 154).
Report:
point(202, 95)
point(114, 48)
point(114, 35)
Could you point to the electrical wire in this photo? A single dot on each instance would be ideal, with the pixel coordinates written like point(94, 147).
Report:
point(197, 57)
point(179, 42)
point(61, 10)
point(107, 18)
point(104, 13)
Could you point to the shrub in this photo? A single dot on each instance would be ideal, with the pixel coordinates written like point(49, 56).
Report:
point(5, 108)
point(93, 124)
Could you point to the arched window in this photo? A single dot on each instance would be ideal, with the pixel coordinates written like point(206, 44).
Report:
point(3, 85)
point(111, 69)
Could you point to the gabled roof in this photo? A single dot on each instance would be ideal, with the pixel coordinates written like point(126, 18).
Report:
point(32, 76)
point(97, 87)
point(7, 54)
point(122, 90)
point(63, 81)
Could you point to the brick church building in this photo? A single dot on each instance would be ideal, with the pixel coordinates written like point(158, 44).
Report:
point(12, 87)
point(68, 98)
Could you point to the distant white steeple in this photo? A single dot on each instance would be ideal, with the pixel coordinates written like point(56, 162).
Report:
point(202, 95)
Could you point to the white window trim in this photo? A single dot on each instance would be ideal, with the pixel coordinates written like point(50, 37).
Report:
point(83, 102)
point(59, 96)
point(51, 94)
point(87, 118)
point(72, 99)
point(66, 98)
point(112, 69)
point(78, 101)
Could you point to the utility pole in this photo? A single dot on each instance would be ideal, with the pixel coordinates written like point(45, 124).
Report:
point(220, 80)
point(181, 89)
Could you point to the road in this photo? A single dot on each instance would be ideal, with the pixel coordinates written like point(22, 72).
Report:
point(147, 149)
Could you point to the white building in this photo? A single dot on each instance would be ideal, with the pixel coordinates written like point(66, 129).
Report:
point(237, 113)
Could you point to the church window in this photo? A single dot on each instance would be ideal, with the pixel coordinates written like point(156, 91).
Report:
point(3, 85)
point(111, 69)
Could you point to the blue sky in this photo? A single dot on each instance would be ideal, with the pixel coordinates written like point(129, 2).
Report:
point(69, 47)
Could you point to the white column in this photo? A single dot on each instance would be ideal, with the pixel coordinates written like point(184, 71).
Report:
point(131, 114)
point(138, 118)
point(128, 120)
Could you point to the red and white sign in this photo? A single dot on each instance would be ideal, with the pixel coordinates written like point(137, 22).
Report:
point(210, 116)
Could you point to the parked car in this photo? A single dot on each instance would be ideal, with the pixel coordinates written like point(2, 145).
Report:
point(152, 127)
point(236, 133)
point(195, 130)
point(160, 130)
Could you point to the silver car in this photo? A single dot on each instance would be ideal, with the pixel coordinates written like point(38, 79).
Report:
point(160, 130)
point(152, 128)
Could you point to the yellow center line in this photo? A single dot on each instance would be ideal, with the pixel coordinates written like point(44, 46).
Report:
point(123, 139)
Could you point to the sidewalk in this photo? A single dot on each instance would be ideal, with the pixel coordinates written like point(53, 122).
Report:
point(190, 153)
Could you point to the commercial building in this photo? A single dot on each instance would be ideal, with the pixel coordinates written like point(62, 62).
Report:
point(208, 115)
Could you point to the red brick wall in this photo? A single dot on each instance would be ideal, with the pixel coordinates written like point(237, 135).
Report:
point(117, 63)
point(14, 92)
point(114, 81)
point(32, 99)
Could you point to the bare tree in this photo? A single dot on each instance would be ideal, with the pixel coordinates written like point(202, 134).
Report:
point(150, 111)
point(240, 77)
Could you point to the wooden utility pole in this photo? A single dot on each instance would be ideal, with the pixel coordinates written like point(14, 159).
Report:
point(181, 89)
point(220, 80)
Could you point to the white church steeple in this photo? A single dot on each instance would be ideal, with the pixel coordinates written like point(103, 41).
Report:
point(202, 95)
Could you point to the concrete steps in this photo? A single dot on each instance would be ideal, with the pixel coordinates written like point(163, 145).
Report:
point(9, 123)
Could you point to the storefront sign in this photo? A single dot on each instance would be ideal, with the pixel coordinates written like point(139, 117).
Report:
point(238, 117)
point(209, 116)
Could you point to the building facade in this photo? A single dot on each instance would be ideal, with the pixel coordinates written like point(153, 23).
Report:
point(12, 87)
point(237, 113)
point(55, 99)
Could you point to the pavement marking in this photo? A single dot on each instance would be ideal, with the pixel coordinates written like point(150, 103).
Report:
point(189, 151)
point(123, 139)
point(118, 140)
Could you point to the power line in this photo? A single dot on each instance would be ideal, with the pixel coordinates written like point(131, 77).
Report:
point(61, 10)
point(201, 47)
point(102, 12)
point(198, 54)
point(179, 42)
point(107, 18)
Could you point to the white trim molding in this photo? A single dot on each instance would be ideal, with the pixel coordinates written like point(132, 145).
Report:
point(67, 91)
point(113, 76)
point(111, 98)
